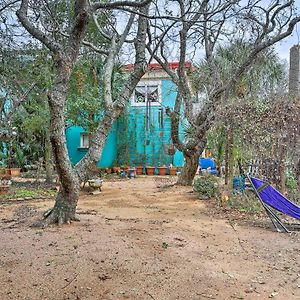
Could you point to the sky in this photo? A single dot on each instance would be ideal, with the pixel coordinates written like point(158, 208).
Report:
point(283, 47)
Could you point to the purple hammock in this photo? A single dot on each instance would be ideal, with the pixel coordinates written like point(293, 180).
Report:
point(270, 197)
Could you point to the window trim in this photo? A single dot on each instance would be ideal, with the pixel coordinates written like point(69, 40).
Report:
point(81, 145)
point(147, 83)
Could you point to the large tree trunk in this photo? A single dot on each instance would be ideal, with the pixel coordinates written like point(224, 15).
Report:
point(47, 158)
point(67, 198)
point(189, 169)
point(64, 210)
point(64, 59)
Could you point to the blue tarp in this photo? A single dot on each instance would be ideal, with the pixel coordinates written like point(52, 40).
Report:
point(208, 163)
point(275, 199)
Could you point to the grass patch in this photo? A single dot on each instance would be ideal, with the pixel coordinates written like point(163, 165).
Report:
point(27, 192)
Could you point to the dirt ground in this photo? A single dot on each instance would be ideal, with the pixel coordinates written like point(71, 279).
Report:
point(142, 239)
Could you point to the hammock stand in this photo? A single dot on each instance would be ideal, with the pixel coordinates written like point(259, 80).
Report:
point(269, 198)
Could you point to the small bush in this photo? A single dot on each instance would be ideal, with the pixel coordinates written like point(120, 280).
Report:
point(245, 203)
point(206, 187)
point(291, 182)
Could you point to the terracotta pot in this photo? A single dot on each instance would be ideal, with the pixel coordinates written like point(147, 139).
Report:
point(15, 172)
point(139, 170)
point(162, 170)
point(150, 170)
point(5, 176)
point(4, 189)
point(5, 171)
point(108, 170)
point(116, 169)
point(172, 171)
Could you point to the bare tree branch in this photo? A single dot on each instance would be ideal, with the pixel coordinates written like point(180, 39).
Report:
point(22, 14)
point(116, 4)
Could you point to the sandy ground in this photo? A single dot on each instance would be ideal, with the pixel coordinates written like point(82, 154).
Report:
point(140, 239)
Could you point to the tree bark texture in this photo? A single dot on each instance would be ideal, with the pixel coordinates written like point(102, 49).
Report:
point(48, 158)
point(189, 170)
point(64, 210)
point(67, 198)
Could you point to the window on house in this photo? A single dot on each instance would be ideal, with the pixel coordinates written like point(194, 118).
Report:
point(146, 93)
point(84, 140)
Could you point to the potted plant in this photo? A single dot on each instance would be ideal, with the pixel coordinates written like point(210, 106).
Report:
point(108, 170)
point(4, 189)
point(162, 170)
point(172, 170)
point(150, 170)
point(124, 168)
point(4, 183)
point(2, 171)
point(15, 172)
point(116, 169)
point(139, 170)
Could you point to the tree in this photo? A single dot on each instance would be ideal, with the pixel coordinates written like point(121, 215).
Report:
point(265, 78)
point(65, 50)
point(205, 27)
point(85, 99)
point(10, 101)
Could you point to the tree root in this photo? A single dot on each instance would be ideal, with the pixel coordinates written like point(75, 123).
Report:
point(55, 216)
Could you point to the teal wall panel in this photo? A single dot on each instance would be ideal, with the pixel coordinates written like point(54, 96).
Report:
point(144, 136)
point(73, 143)
point(109, 153)
point(138, 137)
point(76, 154)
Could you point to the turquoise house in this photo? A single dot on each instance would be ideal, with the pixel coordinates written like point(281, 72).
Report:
point(6, 107)
point(142, 134)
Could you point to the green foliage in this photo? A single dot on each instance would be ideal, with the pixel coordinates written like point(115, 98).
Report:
point(27, 192)
point(265, 75)
point(206, 186)
point(291, 182)
point(31, 119)
point(244, 203)
point(85, 100)
point(3, 159)
point(216, 142)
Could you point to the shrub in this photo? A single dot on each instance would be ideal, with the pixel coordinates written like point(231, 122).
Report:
point(245, 202)
point(291, 182)
point(206, 186)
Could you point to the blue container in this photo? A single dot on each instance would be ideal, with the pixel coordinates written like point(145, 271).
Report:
point(131, 173)
point(238, 184)
point(208, 164)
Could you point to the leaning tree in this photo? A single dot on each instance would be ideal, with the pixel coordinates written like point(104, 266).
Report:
point(264, 79)
point(201, 29)
point(65, 38)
